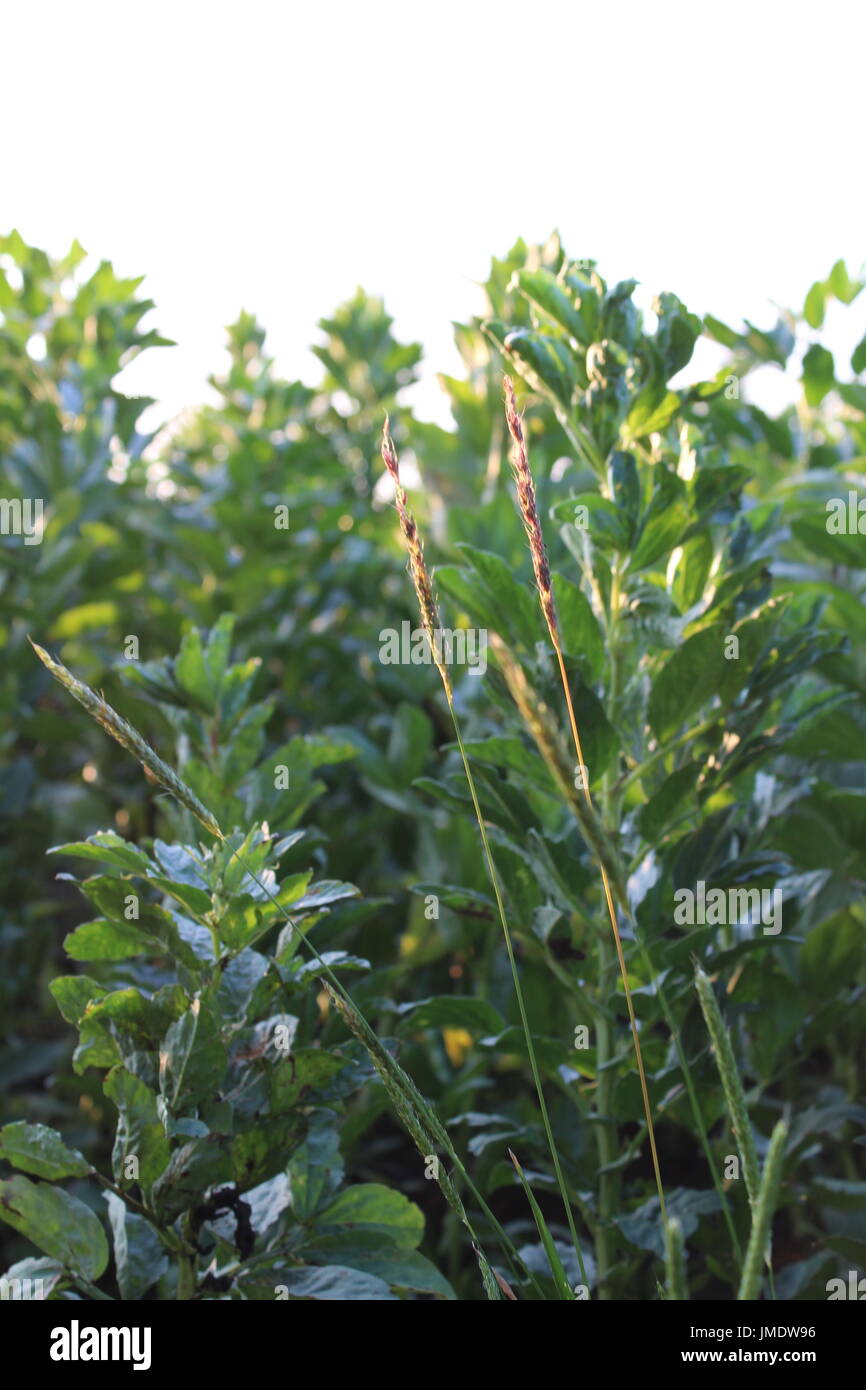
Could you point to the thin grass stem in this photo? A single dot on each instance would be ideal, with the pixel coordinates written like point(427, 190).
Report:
point(538, 552)
point(430, 620)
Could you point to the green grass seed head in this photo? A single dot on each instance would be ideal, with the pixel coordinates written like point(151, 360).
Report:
point(129, 738)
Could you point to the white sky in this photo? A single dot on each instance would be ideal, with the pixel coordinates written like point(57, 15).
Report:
point(272, 156)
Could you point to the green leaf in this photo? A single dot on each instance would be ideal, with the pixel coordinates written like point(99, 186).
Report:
point(506, 752)
point(597, 735)
point(551, 296)
point(839, 281)
point(843, 1193)
point(463, 900)
point(666, 802)
point(720, 332)
point(316, 1168)
point(102, 940)
point(192, 1169)
point(854, 394)
point(400, 1269)
point(157, 929)
point(333, 1283)
point(545, 362)
point(813, 309)
point(653, 411)
point(658, 536)
point(624, 483)
point(96, 1047)
point(463, 589)
point(136, 1017)
point(139, 1255)
point(676, 333)
point(140, 1133)
point(605, 524)
point(839, 548)
point(377, 1209)
point(263, 1150)
point(516, 608)
point(643, 1227)
point(581, 634)
point(57, 1223)
point(108, 848)
point(698, 670)
point(73, 993)
point(692, 571)
point(192, 1059)
point(40, 1150)
point(218, 647)
point(450, 1011)
point(819, 375)
point(180, 863)
point(550, 1052)
point(849, 1247)
point(196, 901)
point(192, 673)
point(830, 956)
point(409, 741)
point(307, 1069)
point(663, 523)
point(322, 894)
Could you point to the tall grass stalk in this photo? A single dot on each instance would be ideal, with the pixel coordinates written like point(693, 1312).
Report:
point(541, 568)
point(762, 1215)
point(430, 621)
point(675, 1261)
point(731, 1083)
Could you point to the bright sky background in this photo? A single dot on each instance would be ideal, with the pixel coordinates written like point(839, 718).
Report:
point(272, 156)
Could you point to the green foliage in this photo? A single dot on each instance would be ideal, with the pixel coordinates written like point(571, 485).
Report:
point(708, 571)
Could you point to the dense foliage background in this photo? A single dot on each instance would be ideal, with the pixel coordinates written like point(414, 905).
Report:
point(239, 646)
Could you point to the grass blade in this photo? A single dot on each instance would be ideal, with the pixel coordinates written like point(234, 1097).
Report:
point(762, 1215)
point(731, 1083)
point(557, 1269)
point(675, 1261)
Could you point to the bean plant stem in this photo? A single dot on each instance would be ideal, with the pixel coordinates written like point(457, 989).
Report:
point(611, 807)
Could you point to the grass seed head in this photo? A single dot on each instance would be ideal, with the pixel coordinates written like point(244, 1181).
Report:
point(129, 738)
point(417, 564)
point(529, 509)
